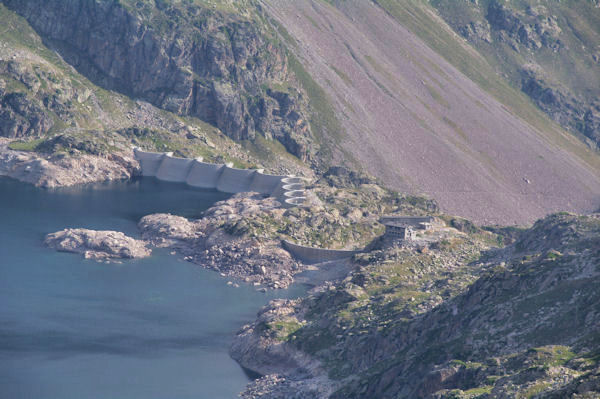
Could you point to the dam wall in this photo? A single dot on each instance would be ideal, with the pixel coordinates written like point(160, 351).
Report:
point(234, 180)
point(149, 161)
point(312, 255)
point(265, 184)
point(174, 169)
point(289, 190)
point(204, 175)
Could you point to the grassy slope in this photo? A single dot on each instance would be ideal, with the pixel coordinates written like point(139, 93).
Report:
point(421, 19)
point(573, 67)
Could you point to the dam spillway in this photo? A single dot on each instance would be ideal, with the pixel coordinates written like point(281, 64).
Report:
point(289, 190)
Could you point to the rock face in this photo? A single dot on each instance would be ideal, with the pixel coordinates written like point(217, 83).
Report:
point(219, 243)
point(98, 245)
point(288, 372)
point(20, 116)
point(219, 66)
point(561, 104)
point(533, 29)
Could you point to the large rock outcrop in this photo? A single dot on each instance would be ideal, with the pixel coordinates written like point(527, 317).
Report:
point(98, 245)
point(532, 29)
point(60, 169)
point(219, 241)
point(20, 116)
point(562, 104)
point(219, 66)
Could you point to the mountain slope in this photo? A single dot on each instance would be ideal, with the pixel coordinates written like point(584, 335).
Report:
point(548, 50)
point(455, 320)
point(189, 59)
point(414, 120)
point(56, 114)
point(385, 86)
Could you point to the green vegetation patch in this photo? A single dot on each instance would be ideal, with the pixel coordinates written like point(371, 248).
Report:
point(284, 329)
point(22, 145)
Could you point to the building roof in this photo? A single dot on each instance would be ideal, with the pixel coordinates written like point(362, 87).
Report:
point(396, 224)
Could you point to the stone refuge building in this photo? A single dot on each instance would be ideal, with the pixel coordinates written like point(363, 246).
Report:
point(400, 229)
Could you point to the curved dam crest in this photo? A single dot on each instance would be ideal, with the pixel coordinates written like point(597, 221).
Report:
point(289, 190)
point(312, 255)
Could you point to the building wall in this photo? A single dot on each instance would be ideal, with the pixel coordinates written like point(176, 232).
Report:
point(415, 221)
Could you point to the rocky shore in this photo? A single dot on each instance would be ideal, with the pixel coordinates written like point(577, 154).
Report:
point(287, 371)
point(59, 169)
point(98, 245)
point(218, 242)
point(276, 386)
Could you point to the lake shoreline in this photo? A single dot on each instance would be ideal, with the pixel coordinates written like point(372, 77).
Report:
point(96, 323)
point(196, 242)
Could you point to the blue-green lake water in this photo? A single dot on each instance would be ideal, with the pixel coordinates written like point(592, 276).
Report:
point(150, 328)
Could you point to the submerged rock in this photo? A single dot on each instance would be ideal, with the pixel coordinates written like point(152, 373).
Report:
point(98, 245)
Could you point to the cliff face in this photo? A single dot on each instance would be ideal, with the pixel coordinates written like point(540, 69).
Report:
point(219, 66)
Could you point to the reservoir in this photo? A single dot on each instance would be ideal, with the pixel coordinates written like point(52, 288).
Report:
point(153, 328)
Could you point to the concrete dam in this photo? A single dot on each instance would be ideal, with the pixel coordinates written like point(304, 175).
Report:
point(311, 255)
point(289, 190)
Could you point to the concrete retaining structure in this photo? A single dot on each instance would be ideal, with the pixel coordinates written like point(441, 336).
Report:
point(265, 184)
point(234, 180)
point(204, 175)
point(149, 161)
point(174, 169)
point(289, 190)
point(312, 255)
